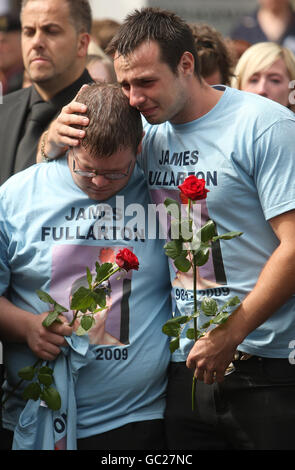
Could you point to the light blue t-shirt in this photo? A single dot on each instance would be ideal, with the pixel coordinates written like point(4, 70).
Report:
point(49, 232)
point(244, 149)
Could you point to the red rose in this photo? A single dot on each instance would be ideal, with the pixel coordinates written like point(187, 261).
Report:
point(127, 260)
point(194, 188)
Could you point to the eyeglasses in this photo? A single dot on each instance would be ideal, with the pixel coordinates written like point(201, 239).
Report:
point(93, 173)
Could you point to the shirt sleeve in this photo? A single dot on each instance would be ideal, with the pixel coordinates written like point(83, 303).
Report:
point(274, 168)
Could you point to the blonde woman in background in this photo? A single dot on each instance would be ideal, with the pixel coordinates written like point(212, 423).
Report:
point(267, 69)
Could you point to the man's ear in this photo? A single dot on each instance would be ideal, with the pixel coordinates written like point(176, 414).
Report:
point(84, 39)
point(139, 148)
point(187, 63)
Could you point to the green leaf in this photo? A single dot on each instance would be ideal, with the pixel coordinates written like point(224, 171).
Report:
point(221, 318)
point(173, 248)
point(46, 370)
point(98, 310)
point(182, 263)
point(103, 271)
point(51, 318)
point(89, 278)
point(172, 327)
point(169, 201)
point(201, 255)
point(99, 297)
point(32, 391)
point(206, 325)
point(27, 373)
point(171, 330)
point(59, 308)
point(49, 300)
point(45, 297)
point(173, 345)
point(82, 299)
point(227, 236)
point(45, 379)
point(87, 321)
point(87, 300)
point(207, 232)
point(190, 333)
point(209, 306)
point(51, 397)
point(233, 301)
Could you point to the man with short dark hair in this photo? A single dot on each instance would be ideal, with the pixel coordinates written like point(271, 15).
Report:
point(55, 37)
point(76, 211)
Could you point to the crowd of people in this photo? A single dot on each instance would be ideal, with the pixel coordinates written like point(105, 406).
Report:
point(97, 104)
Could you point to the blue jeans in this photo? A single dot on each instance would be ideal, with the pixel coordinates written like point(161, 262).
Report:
point(253, 409)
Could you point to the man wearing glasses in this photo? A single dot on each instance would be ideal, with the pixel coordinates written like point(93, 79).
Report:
point(101, 183)
point(49, 220)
